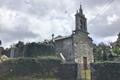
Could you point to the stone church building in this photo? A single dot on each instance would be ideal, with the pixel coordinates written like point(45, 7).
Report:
point(78, 47)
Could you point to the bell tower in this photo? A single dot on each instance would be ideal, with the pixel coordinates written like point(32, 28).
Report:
point(80, 21)
point(82, 43)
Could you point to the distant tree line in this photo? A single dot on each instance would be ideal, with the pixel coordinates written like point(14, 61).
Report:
point(102, 52)
point(107, 52)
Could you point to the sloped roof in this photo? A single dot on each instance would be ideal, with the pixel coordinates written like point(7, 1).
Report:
point(61, 37)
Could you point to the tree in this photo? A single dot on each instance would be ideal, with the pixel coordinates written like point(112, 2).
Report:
point(32, 49)
point(19, 49)
point(116, 50)
point(101, 52)
point(39, 49)
point(116, 46)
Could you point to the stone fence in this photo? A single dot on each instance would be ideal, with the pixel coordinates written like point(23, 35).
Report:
point(105, 71)
point(39, 68)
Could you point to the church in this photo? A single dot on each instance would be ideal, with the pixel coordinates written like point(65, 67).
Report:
point(78, 47)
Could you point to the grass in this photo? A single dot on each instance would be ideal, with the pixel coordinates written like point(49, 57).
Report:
point(86, 74)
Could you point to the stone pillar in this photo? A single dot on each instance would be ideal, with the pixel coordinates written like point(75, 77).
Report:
point(79, 72)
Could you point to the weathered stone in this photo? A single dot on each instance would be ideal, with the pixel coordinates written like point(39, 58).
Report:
point(105, 71)
point(78, 45)
point(23, 67)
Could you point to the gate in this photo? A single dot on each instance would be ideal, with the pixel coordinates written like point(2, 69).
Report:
point(85, 71)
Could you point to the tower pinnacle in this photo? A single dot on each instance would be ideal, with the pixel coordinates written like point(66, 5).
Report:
point(81, 21)
point(80, 10)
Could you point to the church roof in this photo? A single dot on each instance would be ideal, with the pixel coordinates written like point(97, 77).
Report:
point(62, 37)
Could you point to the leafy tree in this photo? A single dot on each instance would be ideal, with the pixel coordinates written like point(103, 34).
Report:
point(116, 50)
point(32, 49)
point(116, 46)
point(19, 49)
point(101, 52)
point(39, 49)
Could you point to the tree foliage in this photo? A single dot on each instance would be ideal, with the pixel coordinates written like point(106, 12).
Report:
point(102, 52)
point(116, 46)
point(116, 50)
point(39, 49)
point(32, 49)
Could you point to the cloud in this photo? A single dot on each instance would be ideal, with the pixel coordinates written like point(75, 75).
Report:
point(36, 20)
point(14, 26)
point(16, 34)
point(112, 19)
point(105, 26)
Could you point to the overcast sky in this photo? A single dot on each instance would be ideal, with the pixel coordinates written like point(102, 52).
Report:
point(36, 20)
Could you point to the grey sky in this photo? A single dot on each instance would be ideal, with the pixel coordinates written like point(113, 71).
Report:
point(36, 20)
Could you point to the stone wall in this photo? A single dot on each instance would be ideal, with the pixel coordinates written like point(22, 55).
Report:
point(65, 46)
point(105, 71)
point(67, 71)
point(83, 47)
point(38, 68)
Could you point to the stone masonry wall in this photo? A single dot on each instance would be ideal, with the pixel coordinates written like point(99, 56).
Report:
point(39, 68)
point(105, 71)
point(65, 47)
point(83, 48)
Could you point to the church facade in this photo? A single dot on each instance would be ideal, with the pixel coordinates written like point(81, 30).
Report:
point(78, 47)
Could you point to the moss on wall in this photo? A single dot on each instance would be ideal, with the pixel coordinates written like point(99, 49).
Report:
point(29, 66)
point(41, 68)
point(105, 71)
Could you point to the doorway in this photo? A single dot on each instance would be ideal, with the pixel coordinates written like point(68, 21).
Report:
point(85, 66)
